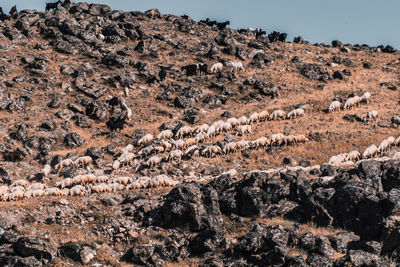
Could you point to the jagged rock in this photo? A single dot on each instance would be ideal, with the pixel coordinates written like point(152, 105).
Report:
point(183, 102)
point(73, 140)
point(31, 246)
point(191, 116)
point(94, 153)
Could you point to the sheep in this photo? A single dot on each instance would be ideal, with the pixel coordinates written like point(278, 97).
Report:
point(122, 180)
point(229, 147)
point(338, 159)
point(277, 114)
point(383, 146)
point(335, 105)
point(127, 149)
point(133, 185)
point(391, 140)
point(352, 101)
point(216, 67)
point(288, 140)
point(190, 142)
point(166, 134)
point(396, 156)
point(211, 131)
point(179, 144)
point(143, 181)
point(102, 179)
point(16, 195)
point(192, 151)
point(17, 188)
point(36, 186)
point(261, 142)
point(277, 139)
point(144, 152)
point(83, 161)
point(244, 129)
point(115, 165)
point(100, 188)
point(397, 141)
point(20, 182)
point(145, 139)
point(253, 118)
point(353, 156)
point(243, 120)
point(175, 155)
point(202, 128)
point(300, 138)
point(183, 131)
point(45, 171)
point(200, 136)
point(211, 151)
point(167, 145)
point(114, 187)
point(233, 121)
point(235, 66)
point(78, 190)
point(395, 120)
point(242, 144)
point(53, 191)
point(153, 161)
point(370, 151)
point(366, 97)
point(373, 114)
point(67, 182)
point(295, 113)
point(226, 127)
point(64, 163)
point(263, 115)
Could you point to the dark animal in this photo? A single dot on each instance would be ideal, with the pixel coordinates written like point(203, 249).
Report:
point(222, 25)
point(209, 22)
point(191, 69)
point(162, 74)
point(395, 121)
point(52, 5)
point(13, 11)
point(260, 33)
point(117, 120)
point(15, 155)
point(2, 15)
point(203, 68)
point(277, 36)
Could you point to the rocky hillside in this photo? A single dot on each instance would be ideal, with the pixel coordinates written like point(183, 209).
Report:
point(148, 139)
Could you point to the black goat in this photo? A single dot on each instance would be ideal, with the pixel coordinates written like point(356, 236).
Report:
point(2, 15)
point(209, 22)
point(259, 33)
point(52, 5)
point(203, 68)
point(222, 25)
point(13, 11)
point(191, 69)
point(162, 74)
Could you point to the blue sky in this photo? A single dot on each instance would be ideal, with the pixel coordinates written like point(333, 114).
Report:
point(356, 21)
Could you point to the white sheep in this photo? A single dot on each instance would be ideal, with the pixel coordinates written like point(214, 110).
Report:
point(116, 187)
point(153, 161)
point(353, 156)
point(20, 182)
point(211, 131)
point(300, 138)
point(179, 144)
point(366, 97)
point(373, 114)
point(78, 190)
point(45, 171)
point(289, 139)
point(396, 156)
point(115, 165)
point(295, 113)
point(243, 120)
point(233, 121)
point(53, 191)
point(242, 144)
point(226, 127)
point(127, 149)
point(216, 67)
point(17, 188)
point(229, 147)
point(166, 134)
point(83, 161)
point(63, 164)
point(67, 182)
point(211, 151)
point(36, 186)
point(202, 128)
point(235, 65)
point(335, 105)
point(175, 155)
point(122, 180)
point(338, 159)
point(397, 141)
point(145, 139)
point(167, 145)
point(100, 188)
point(279, 113)
point(277, 139)
point(143, 181)
point(183, 131)
point(244, 129)
point(370, 151)
point(200, 136)
point(192, 151)
point(253, 118)
point(263, 115)
point(261, 142)
point(352, 101)
point(16, 195)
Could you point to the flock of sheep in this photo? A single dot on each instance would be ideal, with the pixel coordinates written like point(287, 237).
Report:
point(350, 102)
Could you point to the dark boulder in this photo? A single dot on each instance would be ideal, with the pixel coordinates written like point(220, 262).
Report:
point(73, 140)
point(191, 115)
point(183, 102)
point(32, 246)
point(207, 240)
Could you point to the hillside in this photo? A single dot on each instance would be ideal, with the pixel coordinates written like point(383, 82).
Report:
point(86, 179)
